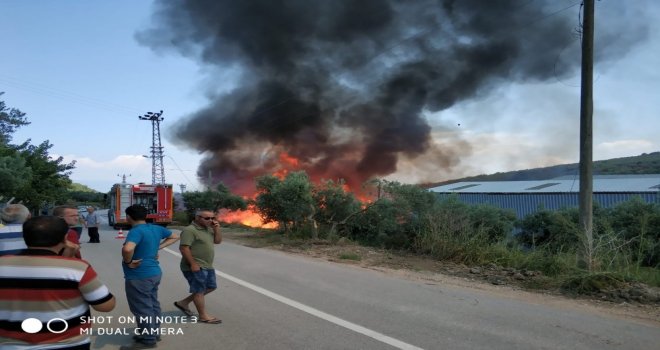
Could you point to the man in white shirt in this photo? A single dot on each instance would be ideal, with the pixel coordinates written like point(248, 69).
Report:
point(92, 223)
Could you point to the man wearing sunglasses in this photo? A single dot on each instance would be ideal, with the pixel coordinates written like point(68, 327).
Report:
point(197, 251)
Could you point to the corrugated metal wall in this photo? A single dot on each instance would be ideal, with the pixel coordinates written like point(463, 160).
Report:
point(527, 203)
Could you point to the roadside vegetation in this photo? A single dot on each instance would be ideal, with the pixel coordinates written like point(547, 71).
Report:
point(397, 217)
point(408, 219)
point(28, 173)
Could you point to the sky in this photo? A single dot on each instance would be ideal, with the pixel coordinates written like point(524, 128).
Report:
point(82, 75)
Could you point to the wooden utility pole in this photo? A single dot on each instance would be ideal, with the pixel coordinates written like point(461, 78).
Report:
point(586, 132)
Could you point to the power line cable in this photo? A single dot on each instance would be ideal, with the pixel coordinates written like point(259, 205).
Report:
point(64, 94)
point(180, 170)
point(109, 106)
point(101, 104)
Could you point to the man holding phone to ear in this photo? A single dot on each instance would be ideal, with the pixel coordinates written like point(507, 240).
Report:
point(198, 251)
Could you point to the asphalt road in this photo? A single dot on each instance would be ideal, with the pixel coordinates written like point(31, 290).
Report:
point(270, 300)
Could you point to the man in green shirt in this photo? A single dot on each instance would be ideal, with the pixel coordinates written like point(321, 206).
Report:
point(197, 251)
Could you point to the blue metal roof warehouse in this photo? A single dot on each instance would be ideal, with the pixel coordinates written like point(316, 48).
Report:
point(526, 197)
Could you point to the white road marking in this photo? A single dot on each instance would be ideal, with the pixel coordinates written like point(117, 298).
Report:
point(315, 312)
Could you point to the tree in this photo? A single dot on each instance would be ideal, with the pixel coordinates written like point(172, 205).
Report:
point(50, 177)
point(10, 120)
point(333, 204)
point(287, 201)
point(14, 173)
point(86, 197)
point(267, 203)
point(27, 172)
point(411, 198)
point(76, 187)
point(388, 220)
point(376, 224)
point(220, 198)
point(227, 200)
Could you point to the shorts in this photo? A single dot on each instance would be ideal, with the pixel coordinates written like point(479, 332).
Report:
point(201, 281)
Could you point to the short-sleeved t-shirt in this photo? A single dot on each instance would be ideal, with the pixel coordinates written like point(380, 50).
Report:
point(201, 244)
point(147, 239)
point(11, 239)
point(42, 285)
point(72, 236)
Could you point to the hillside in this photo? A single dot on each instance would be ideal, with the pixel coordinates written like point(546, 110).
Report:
point(646, 163)
point(76, 187)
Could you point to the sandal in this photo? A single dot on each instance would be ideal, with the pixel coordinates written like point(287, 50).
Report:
point(211, 321)
point(184, 310)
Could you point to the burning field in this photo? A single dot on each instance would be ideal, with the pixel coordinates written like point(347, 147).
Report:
point(343, 89)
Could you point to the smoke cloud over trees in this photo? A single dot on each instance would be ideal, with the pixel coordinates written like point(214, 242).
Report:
point(341, 88)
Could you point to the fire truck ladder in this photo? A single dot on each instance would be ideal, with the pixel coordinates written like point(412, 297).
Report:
point(157, 169)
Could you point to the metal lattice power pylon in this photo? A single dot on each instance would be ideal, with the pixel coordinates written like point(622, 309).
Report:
point(157, 169)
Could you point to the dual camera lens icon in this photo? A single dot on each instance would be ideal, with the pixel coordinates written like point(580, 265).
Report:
point(33, 325)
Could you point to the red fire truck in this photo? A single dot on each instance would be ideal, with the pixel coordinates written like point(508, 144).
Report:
point(158, 199)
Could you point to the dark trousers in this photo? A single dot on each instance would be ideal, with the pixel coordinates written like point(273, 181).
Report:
point(142, 296)
point(93, 233)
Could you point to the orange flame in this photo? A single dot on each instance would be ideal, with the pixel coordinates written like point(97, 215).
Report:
point(289, 160)
point(281, 174)
point(245, 217)
point(287, 163)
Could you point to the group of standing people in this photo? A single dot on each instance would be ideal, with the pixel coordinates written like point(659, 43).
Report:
point(143, 274)
point(11, 229)
point(46, 291)
point(51, 247)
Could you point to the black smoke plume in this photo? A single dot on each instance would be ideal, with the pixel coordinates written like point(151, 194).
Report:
point(344, 86)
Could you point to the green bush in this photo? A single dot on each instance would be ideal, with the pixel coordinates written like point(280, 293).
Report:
point(556, 231)
point(626, 238)
point(181, 218)
point(453, 230)
point(497, 223)
point(377, 225)
point(333, 204)
point(628, 233)
point(638, 222)
point(448, 234)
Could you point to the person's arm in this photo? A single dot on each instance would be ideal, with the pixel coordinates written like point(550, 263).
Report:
point(91, 287)
point(70, 249)
point(71, 245)
point(169, 241)
point(105, 306)
point(127, 255)
point(187, 254)
point(217, 236)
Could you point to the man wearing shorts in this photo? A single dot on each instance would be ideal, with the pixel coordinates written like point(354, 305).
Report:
point(197, 251)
